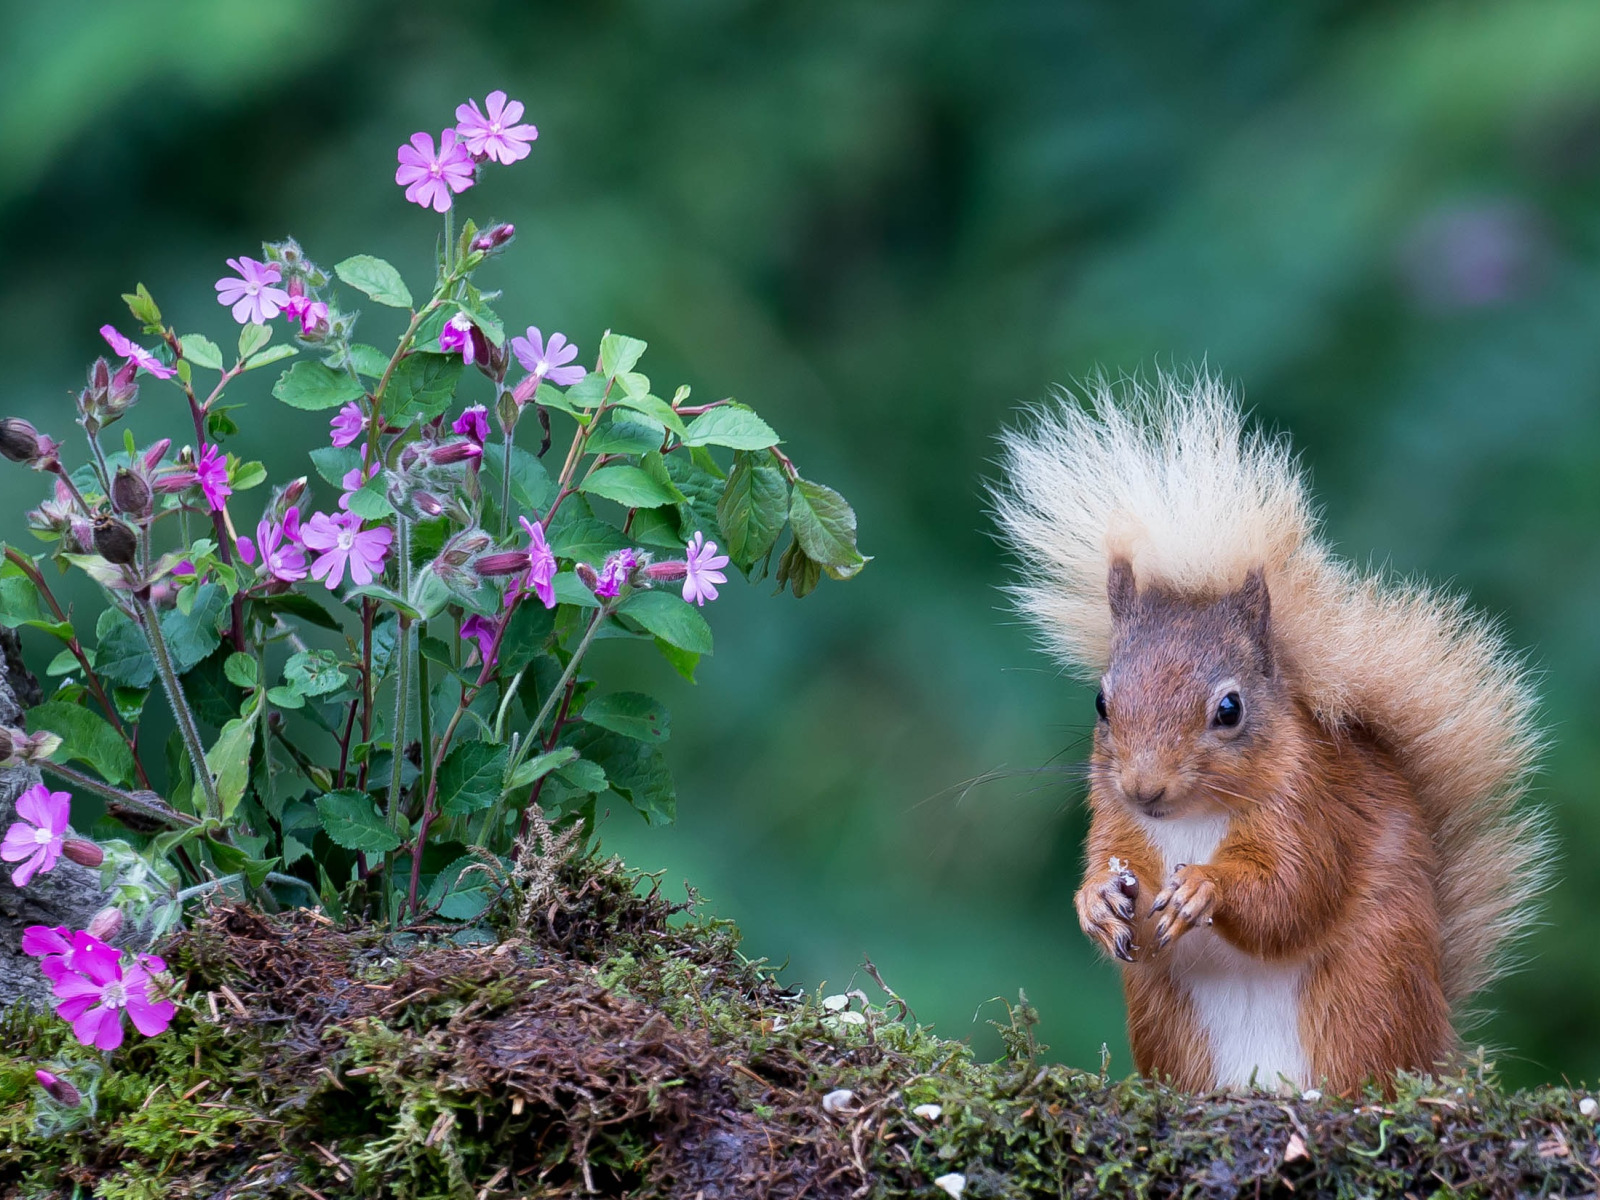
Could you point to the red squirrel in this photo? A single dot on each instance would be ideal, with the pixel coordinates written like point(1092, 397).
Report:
point(1306, 848)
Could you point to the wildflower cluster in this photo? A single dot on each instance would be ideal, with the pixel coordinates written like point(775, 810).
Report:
point(375, 672)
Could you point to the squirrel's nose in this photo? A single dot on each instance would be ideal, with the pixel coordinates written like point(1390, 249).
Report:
point(1142, 790)
point(1148, 797)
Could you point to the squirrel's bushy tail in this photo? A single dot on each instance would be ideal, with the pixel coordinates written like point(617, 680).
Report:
point(1168, 477)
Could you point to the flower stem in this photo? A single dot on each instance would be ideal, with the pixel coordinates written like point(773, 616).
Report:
point(402, 671)
point(146, 804)
point(505, 489)
point(182, 714)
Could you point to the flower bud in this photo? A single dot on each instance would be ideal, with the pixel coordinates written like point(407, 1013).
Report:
point(427, 503)
point(291, 493)
point(458, 551)
point(506, 410)
point(175, 481)
point(587, 575)
point(115, 541)
point(130, 494)
point(123, 391)
point(33, 748)
point(506, 562)
point(494, 237)
point(105, 924)
point(19, 440)
point(493, 360)
point(525, 389)
point(100, 379)
point(666, 572)
point(8, 743)
point(454, 452)
point(156, 453)
point(62, 1092)
point(85, 854)
point(79, 538)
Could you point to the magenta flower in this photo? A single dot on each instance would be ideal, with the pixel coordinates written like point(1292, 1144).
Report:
point(615, 572)
point(309, 311)
point(339, 542)
point(456, 337)
point(252, 294)
point(348, 425)
point(95, 992)
point(52, 946)
point(497, 135)
point(482, 629)
point(246, 549)
point(138, 355)
point(429, 178)
point(704, 570)
point(355, 479)
point(35, 839)
point(473, 423)
point(212, 475)
point(281, 559)
point(541, 576)
point(546, 361)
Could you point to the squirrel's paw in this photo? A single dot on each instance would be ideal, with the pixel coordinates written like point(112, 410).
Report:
point(1186, 902)
point(1106, 910)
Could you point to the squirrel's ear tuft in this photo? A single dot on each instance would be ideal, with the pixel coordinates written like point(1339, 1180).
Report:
point(1253, 602)
point(1121, 589)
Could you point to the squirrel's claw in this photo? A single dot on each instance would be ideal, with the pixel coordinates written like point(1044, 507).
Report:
point(1106, 909)
point(1186, 902)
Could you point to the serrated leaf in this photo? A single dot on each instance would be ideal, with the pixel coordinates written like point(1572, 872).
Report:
point(314, 673)
point(269, 356)
point(311, 386)
point(577, 534)
point(531, 487)
point(753, 508)
point(632, 714)
point(252, 337)
point(619, 353)
point(375, 278)
point(462, 890)
point(370, 501)
point(824, 525)
point(626, 434)
point(732, 426)
point(368, 360)
point(629, 486)
point(351, 819)
point(192, 636)
point(422, 386)
point(470, 777)
point(240, 670)
point(248, 475)
point(85, 736)
point(201, 351)
point(298, 605)
point(636, 771)
point(797, 571)
point(539, 766)
point(123, 656)
point(229, 763)
point(670, 618)
point(653, 407)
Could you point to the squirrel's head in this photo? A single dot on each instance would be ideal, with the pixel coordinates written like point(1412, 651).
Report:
point(1189, 699)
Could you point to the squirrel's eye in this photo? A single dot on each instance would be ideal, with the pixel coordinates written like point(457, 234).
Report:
point(1230, 710)
point(1100, 705)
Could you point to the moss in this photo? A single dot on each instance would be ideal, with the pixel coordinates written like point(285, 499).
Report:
point(625, 1048)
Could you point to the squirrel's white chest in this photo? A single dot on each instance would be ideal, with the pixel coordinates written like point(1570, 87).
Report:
point(1249, 1009)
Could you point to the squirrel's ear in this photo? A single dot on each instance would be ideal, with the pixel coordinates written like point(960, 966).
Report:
point(1254, 604)
point(1121, 589)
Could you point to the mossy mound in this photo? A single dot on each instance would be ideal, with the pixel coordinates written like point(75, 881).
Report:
point(617, 1046)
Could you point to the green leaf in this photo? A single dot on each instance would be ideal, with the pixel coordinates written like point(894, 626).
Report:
point(635, 434)
point(753, 508)
point(656, 527)
point(194, 635)
point(370, 501)
point(653, 407)
point(252, 337)
point(297, 605)
point(584, 775)
point(234, 861)
point(351, 819)
point(314, 673)
point(214, 698)
point(636, 770)
point(248, 475)
point(539, 766)
point(669, 618)
point(333, 463)
point(628, 486)
point(421, 387)
point(201, 351)
point(368, 360)
point(619, 353)
point(530, 628)
point(385, 596)
point(229, 763)
point(470, 777)
point(798, 571)
point(632, 714)
point(731, 425)
point(269, 356)
point(240, 670)
point(285, 697)
point(376, 278)
point(311, 386)
point(577, 534)
point(123, 655)
point(19, 603)
point(683, 662)
point(85, 736)
point(66, 662)
point(463, 889)
point(825, 526)
point(142, 306)
point(531, 488)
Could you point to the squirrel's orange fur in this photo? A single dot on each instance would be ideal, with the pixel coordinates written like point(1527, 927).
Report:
point(1305, 844)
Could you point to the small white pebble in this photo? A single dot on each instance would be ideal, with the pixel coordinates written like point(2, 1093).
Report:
point(1313, 1094)
point(952, 1184)
point(852, 1018)
point(837, 1101)
point(932, 1112)
point(1588, 1106)
point(836, 1003)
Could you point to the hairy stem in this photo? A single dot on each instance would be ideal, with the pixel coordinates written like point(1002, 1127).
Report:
point(188, 729)
point(146, 804)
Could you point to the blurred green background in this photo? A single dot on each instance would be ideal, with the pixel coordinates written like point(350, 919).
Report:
point(885, 224)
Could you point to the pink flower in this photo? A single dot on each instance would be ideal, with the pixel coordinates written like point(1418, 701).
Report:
point(473, 423)
point(252, 295)
point(614, 573)
point(457, 336)
point(355, 479)
point(496, 136)
point(137, 355)
point(281, 559)
point(483, 630)
point(349, 425)
point(340, 540)
point(546, 361)
point(246, 549)
point(35, 839)
point(704, 570)
point(60, 1090)
point(93, 994)
point(310, 312)
point(429, 178)
point(52, 946)
point(540, 579)
point(212, 473)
